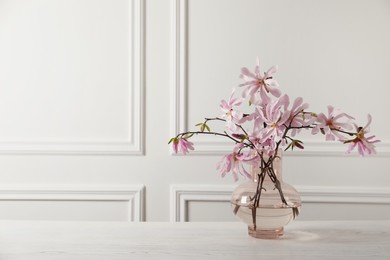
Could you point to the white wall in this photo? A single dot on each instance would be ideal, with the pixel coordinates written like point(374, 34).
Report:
point(91, 92)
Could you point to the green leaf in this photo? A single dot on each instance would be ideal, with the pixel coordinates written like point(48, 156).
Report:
point(188, 136)
point(288, 147)
point(172, 139)
point(203, 126)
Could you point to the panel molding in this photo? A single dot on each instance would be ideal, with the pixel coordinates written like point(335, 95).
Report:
point(178, 66)
point(133, 195)
point(134, 145)
point(181, 195)
point(179, 86)
point(137, 62)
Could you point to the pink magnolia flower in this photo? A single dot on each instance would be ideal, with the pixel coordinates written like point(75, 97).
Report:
point(231, 116)
point(182, 145)
point(257, 85)
point(261, 143)
point(275, 115)
point(297, 118)
point(330, 124)
point(364, 144)
point(267, 147)
point(234, 163)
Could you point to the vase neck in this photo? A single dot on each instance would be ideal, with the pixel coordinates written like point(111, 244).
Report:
point(276, 167)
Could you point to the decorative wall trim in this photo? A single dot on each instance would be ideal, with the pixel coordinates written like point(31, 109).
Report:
point(135, 143)
point(137, 62)
point(312, 149)
point(178, 66)
point(182, 194)
point(134, 195)
point(179, 85)
point(351, 195)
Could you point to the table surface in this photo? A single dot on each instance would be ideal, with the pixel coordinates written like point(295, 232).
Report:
point(30, 240)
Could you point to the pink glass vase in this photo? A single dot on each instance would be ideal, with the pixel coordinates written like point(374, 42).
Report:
point(268, 219)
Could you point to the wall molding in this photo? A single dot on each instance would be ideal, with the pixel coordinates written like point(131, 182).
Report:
point(178, 66)
point(137, 61)
point(180, 195)
point(179, 86)
point(134, 195)
point(134, 145)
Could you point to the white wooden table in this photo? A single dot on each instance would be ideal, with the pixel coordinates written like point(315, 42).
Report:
point(117, 240)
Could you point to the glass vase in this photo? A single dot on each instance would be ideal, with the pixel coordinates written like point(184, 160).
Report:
point(267, 220)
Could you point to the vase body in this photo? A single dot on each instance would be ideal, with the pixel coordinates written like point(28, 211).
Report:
point(268, 219)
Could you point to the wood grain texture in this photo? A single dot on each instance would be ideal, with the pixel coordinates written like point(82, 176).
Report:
point(158, 240)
